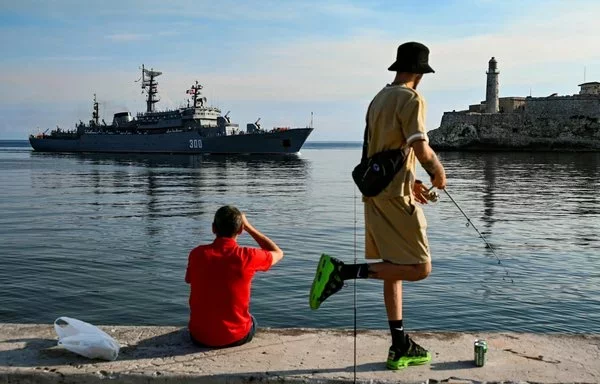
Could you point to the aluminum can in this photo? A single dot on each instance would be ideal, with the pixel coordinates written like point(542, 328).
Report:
point(480, 351)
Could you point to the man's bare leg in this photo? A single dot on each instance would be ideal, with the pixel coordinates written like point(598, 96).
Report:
point(331, 274)
point(394, 272)
point(392, 296)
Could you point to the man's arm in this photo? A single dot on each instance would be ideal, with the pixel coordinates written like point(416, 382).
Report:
point(263, 241)
point(430, 162)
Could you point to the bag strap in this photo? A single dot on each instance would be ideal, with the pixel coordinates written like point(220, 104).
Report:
point(365, 149)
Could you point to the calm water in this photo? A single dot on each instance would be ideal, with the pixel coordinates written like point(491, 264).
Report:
point(105, 238)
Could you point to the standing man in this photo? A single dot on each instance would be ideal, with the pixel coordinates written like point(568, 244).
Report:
point(220, 276)
point(395, 227)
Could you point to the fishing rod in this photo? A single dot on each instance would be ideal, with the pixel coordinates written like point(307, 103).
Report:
point(355, 261)
point(434, 196)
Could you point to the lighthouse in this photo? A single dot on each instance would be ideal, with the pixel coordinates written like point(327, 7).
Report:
point(491, 90)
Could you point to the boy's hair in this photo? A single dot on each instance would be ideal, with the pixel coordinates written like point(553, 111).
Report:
point(228, 221)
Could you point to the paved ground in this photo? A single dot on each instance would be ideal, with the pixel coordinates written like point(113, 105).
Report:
point(28, 354)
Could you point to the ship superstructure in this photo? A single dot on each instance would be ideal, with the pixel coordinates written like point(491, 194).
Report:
point(195, 128)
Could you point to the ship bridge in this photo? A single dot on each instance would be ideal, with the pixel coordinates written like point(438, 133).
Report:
point(206, 116)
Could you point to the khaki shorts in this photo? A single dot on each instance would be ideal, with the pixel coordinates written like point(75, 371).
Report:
point(395, 231)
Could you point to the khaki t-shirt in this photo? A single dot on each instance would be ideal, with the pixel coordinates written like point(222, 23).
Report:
point(396, 120)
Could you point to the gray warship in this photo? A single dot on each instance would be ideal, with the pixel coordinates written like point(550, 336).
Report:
point(193, 129)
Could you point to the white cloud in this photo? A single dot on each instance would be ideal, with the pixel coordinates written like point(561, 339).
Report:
point(534, 50)
point(527, 45)
point(352, 67)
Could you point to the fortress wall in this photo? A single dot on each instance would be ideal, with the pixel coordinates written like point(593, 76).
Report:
point(511, 104)
point(519, 131)
point(557, 108)
point(476, 107)
point(564, 107)
point(482, 119)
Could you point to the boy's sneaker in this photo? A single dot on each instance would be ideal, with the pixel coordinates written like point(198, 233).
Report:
point(413, 354)
point(327, 280)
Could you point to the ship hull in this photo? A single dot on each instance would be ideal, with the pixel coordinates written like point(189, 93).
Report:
point(190, 142)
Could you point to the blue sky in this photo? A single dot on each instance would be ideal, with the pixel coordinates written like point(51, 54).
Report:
point(281, 60)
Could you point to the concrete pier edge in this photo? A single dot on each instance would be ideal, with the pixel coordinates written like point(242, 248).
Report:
point(28, 354)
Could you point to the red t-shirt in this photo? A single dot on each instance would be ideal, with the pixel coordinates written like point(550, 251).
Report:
point(220, 275)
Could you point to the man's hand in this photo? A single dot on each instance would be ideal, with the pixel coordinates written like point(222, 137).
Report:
point(420, 191)
point(245, 223)
point(439, 178)
point(430, 162)
point(263, 241)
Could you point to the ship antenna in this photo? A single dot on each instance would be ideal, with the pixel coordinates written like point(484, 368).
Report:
point(95, 114)
point(141, 78)
point(150, 86)
point(195, 92)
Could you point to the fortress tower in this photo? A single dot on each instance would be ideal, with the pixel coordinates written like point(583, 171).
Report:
point(491, 90)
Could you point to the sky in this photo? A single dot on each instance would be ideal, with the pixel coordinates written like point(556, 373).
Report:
point(281, 60)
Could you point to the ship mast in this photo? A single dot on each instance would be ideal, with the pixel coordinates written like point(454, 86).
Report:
point(196, 94)
point(95, 114)
point(150, 86)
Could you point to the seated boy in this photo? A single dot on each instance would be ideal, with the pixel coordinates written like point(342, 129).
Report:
point(220, 276)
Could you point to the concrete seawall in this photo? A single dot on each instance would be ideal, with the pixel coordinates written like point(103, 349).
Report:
point(28, 354)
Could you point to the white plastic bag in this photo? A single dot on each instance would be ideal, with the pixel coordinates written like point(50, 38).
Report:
point(85, 339)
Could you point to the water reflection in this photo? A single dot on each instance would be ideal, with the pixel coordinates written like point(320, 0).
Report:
point(528, 190)
point(172, 184)
point(124, 224)
point(490, 165)
point(151, 204)
point(170, 160)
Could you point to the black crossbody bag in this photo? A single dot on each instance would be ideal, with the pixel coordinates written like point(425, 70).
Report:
point(374, 173)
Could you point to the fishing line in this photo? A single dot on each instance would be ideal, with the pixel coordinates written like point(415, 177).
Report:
point(470, 223)
point(355, 261)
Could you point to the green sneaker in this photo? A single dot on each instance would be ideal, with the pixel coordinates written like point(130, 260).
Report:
point(327, 280)
point(414, 355)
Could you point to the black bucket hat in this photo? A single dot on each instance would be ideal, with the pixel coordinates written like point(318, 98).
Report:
point(412, 57)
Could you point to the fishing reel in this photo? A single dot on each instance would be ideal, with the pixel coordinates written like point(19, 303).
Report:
point(432, 195)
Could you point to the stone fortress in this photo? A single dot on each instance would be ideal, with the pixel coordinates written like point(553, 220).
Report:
point(553, 123)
